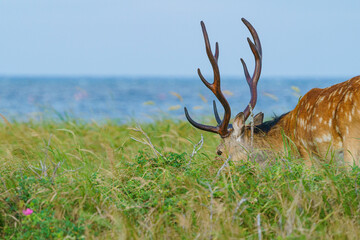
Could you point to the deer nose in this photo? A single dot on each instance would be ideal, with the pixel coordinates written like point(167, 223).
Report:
point(219, 152)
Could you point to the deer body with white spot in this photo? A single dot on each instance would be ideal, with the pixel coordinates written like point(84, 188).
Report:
point(323, 121)
point(327, 120)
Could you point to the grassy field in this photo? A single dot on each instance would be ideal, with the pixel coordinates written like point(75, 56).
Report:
point(89, 181)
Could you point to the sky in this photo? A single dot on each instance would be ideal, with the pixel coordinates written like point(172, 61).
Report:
point(163, 37)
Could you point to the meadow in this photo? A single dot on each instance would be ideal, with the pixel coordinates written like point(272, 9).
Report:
point(70, 179)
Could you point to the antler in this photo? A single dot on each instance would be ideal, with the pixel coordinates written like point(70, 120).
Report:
point(222, 127)
point(252, 81)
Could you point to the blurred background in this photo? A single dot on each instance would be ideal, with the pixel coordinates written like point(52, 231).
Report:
point(124, 60)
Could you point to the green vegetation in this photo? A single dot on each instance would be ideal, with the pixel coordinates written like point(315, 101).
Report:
point(90, 181)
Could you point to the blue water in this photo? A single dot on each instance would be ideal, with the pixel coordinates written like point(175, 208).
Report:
point(142, 98)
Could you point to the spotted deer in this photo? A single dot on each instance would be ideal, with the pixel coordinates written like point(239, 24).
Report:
point(324, 120)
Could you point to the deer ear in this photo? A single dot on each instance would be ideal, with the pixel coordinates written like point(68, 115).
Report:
point(258, 119)
point(239, 124)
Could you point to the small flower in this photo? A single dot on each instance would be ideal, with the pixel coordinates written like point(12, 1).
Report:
point(27, 211)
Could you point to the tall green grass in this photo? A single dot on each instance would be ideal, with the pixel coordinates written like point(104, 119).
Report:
point(90, 181)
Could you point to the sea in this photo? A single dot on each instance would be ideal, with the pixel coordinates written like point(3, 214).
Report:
point(142, 99)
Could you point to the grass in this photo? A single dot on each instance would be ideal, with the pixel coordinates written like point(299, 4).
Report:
point(90, 181)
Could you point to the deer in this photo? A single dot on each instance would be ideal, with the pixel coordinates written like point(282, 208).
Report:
point(323, 120)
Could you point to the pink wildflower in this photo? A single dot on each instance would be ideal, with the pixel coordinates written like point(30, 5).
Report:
point(27, 211)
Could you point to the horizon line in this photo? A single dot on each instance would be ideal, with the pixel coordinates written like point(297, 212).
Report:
point(2, 75)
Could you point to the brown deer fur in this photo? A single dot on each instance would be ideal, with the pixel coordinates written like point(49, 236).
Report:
point(324, 120)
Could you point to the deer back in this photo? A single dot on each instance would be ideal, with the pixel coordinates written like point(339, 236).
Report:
point(326, 117)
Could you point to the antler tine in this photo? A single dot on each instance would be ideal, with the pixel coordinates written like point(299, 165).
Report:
point(253, 34)
point(213, 60)
point(198, 125)
point(252, 81)
point(217, 117)
point(216, 51)
point(222, 127)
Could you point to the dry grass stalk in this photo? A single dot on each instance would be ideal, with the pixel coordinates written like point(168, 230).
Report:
point(211, 207)
point(2, 180)
point(44, 168)
point(146, 141)
point(238, 205)
point(222, 168)
point(251, 126)
point(196, 148)
point(258, 221)
point(5, 120)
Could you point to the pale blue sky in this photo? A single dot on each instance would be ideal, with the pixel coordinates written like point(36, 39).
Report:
point(163, 37)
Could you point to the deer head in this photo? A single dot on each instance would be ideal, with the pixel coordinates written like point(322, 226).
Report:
point(236, 136)
point(323, 120)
